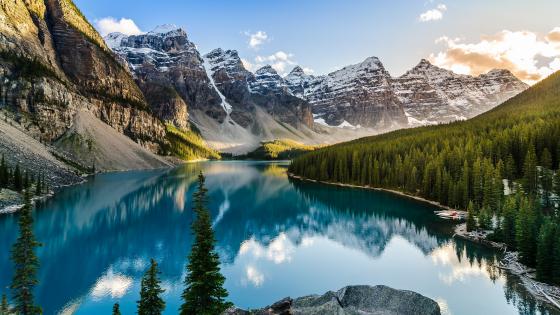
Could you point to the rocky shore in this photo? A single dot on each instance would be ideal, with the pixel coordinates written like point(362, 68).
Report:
point(510, 262)
point(362, 300)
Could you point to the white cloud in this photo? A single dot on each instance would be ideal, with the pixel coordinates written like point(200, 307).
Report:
point(111, 285)
point(110, 25)
point(433, 14)
point(257, 39)
point(280, 61)
point(529, 56)
point(254, 276)
point(308, 70)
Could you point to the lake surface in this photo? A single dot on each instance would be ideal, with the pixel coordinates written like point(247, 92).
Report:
point(276, 238)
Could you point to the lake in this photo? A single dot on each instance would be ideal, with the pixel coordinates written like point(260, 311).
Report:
point(276, 237)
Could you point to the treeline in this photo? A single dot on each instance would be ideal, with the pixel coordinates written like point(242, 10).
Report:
point(203, 293)
point(187, 145)
point(464, 164)
point(15, 179)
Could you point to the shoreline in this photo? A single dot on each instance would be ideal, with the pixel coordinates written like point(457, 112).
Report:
point(543, 292)
point(394, 192)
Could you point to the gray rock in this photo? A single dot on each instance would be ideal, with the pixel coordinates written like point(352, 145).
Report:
point(358, 300)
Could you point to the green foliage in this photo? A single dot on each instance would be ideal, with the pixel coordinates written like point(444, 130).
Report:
point(187, 145)
point(545, 248)
point(204, 293)
point(4, 306)
point(26, 263)
point(430, 161)
point(151, 302)
point(471, 221)
point(281, 149)
point(116, 309)
point(18, 181)
point(27, 68)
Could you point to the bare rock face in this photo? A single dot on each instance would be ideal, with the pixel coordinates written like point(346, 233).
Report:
point(265, 89)
point(433, 95)
point(366, 95)
point(166, 58)
point(270, 91)
point(352, 300)
point(53, 63)
point(358, 95)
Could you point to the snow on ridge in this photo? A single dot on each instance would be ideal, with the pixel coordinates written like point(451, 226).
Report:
point(207, 67)
point(164, 29)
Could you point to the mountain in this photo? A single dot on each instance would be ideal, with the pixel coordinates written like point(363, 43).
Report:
point(54, 64)
point(432, 95)
point(366, 95)
point(457, 163)
point(359, 95)
point(233, 108)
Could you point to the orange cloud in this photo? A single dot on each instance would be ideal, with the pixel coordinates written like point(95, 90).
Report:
point(527, 55)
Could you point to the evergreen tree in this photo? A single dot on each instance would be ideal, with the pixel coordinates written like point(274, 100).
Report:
point(485, 218)
point(26, 180)
point(526, 227)
point(18, 181)
point(204, 293)
point(545, 250)
point(507, 224)
point(556, 258)
point(530, 171)
point(471, 221)
point(26, 263)
point(4, 175)
point(116, 309)
point(151, 302)
point(546, 159)
point(547, 185)
point(4, 307)
point(39, 186)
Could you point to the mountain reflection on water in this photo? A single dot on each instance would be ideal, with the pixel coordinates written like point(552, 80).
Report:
point(276, 237)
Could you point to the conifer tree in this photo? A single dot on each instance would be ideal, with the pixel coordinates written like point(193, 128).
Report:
point(545, 250)
point(18, 181)
point(151, 302)
point(546, 159)
point(116, 309)
point(26, 180)
point(471, 221)
point(4, 175)
point(526, 227)
point(4, 306)
point(507, 224)
point(485, 218)
point(26, 263)
point(204, 293)
point(530, 171)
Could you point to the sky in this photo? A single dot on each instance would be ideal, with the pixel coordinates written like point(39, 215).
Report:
point(466, 36)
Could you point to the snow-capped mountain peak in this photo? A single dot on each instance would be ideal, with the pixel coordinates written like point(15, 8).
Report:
point(165, 29)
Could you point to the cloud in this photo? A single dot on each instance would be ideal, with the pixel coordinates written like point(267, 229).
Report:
point(526, 54)
point(433, 14)
point(257, 39)
point(110, 25)
point(280, 61)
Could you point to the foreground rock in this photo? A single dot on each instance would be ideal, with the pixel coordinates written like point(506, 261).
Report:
point(363, 300)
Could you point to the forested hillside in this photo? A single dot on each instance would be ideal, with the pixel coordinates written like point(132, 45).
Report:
point(463, 165)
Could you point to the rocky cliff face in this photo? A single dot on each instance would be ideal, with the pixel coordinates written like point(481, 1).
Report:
point(360, 95)
point(366, 95)
point(217, 84)
point(53, 63)
point(432, 95)
point(165, 60)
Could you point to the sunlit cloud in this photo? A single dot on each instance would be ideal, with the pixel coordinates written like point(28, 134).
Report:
point(279, 251)
point(111, 285)
point(111, 25)
point(254, 276)
point(280, 61)
point(529, 56)
point(460, 271)
point(433, 14)
point(257, 39)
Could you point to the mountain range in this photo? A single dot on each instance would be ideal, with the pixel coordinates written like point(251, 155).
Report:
point(123, 102)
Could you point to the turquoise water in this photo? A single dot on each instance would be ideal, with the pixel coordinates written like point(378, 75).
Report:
point(276, 238)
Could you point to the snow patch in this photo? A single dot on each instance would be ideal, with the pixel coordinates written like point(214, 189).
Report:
point(227, 107)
